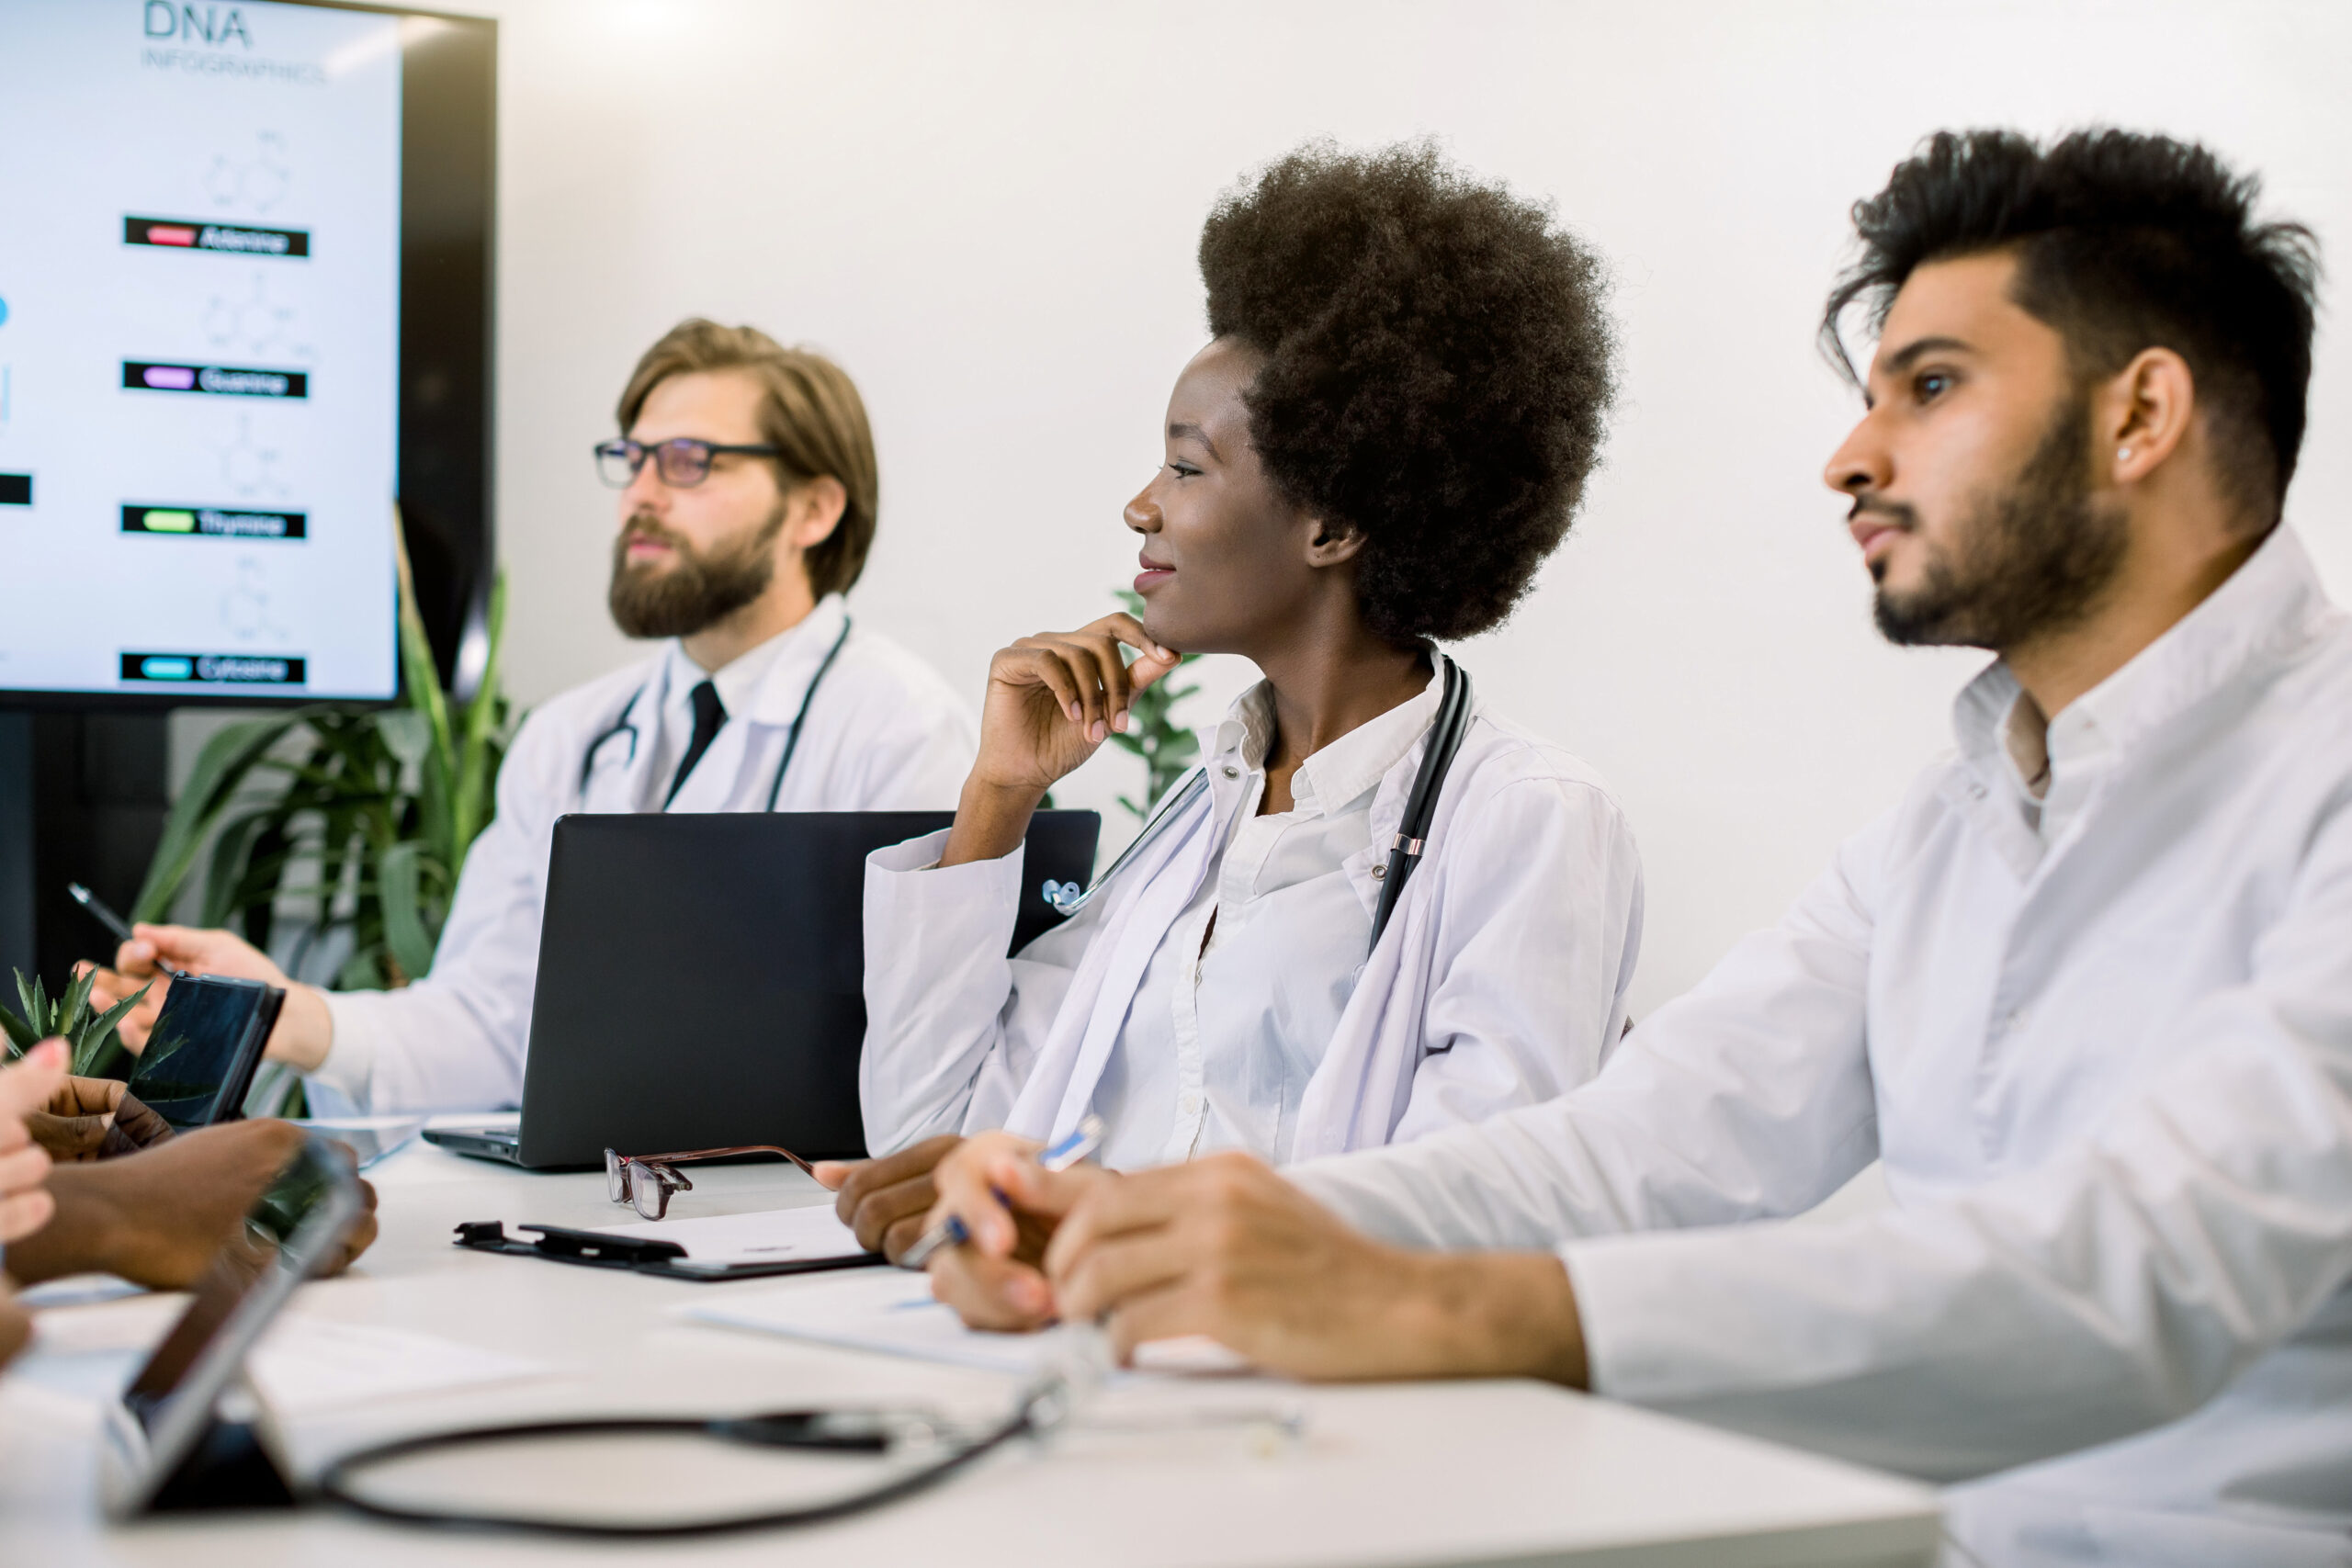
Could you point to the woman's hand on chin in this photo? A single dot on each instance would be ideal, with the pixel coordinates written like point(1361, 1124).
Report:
point(1053, 699)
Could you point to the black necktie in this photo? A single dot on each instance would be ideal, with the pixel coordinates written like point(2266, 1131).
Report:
point(709, 714)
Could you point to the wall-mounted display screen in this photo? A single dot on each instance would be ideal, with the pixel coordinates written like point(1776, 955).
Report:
point(200, 348)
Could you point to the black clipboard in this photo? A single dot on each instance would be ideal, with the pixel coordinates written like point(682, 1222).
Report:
point(640, 1254)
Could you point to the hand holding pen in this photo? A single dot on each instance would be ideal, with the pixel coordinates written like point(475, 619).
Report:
point(997, 1191)
point(951, 1230)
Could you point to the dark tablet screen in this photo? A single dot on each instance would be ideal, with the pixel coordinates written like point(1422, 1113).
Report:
point(203, 1039)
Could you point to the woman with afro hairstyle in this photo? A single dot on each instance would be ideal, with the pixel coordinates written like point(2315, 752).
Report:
point(1386, 434)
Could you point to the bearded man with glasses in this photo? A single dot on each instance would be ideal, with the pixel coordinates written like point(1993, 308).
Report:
point(747, 503)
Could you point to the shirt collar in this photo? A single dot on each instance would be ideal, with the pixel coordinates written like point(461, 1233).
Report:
point(1341, 773)
point(764, 684)
point(2267, 610)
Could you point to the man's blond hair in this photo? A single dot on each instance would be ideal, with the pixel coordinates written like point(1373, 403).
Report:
point(809, 411)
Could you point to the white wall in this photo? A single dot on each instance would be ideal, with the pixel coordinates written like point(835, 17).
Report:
point(989, 213)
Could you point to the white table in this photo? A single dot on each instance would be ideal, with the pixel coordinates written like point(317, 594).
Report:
point(1487, 1473)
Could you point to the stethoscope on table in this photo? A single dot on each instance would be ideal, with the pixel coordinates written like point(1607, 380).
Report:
point(627, 725)
point(1446, 731)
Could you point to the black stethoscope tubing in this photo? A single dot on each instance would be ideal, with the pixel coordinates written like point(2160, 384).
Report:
point(627, 725)
point(1041, 1407)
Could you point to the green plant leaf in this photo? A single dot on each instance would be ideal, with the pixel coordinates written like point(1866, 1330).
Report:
point(22, 1036)
point(407, 735)
point(28, 996)
point(220, 768)
point(232, 857)
point(77, 997)
point(405, 932)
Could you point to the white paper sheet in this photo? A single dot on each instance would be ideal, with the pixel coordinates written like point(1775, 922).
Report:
point(887, 1310)
point(373, 1139)
point(774, 1236)
point(893, 1312)
point(306, 1365)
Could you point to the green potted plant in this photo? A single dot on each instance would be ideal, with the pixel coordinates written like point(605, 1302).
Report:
point(89, 1036)
point(358, 818)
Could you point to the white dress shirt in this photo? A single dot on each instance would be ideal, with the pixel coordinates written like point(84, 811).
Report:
point(883, 733)
point(2104, 1051)
point(1500, 979)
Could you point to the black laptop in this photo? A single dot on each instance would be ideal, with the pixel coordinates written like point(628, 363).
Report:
point(701, 977)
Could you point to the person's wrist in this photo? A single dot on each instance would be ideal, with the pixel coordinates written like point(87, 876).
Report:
point(305, 1031)
point(992, 816)
point(1001, 797)
point(1493, 1315)
point(85, 1233)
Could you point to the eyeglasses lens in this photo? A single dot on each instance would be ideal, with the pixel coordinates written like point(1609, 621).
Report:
point(616, 1177)
point(652, 1194)
point(617, 462)
point(684, 464)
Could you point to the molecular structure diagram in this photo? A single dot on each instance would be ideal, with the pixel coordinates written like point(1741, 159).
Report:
point(244, 609)
point(254, 325)
point(257, 184)
point(250, 468)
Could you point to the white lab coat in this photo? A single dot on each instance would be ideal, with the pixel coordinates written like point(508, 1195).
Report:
point(884, 733)
point(1500, 981)
point(2107, 1060)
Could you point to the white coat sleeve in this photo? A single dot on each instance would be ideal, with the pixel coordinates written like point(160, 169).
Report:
point(455, 1040)
point(2113, 1289)
point(1540, 927)
point(1748, 1096)
point(952, 1024)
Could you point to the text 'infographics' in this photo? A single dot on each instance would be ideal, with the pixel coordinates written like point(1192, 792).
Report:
point(199, 348)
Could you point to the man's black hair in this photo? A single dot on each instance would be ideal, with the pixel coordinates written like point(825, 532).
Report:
point(2124, 243)
point(1437, 367)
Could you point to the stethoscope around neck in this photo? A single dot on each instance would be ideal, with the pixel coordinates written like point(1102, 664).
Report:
point(627, 725)
point(1404, 848)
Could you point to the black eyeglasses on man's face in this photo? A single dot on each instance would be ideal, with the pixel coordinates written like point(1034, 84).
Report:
point(683, 463)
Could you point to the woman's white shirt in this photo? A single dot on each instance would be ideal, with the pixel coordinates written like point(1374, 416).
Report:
point(1264, 959)
point(1501, 980)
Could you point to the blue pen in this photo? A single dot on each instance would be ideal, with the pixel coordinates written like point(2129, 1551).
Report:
point(952, 1231)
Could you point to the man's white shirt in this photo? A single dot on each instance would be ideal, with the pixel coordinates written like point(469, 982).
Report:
point(2102, 1043)
point(883, 732)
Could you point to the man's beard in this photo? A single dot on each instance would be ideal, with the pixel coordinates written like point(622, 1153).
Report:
point(2025, 562)
point(698, 590)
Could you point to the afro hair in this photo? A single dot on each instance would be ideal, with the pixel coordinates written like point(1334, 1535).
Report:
point(1437, 367)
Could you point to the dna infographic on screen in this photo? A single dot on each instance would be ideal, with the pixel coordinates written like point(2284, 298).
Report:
point(199, 301)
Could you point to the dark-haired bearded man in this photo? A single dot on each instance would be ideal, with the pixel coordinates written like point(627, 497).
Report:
point(748, 495)
point(2086, 990)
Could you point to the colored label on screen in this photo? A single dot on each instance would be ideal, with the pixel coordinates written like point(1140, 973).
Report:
point(214, 522)
point(219, 668)
point(195, 234)
point(15, 489)
point(218, 380)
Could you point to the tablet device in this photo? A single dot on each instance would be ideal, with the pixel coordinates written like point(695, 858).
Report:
point(169, 1416)
point(200, 1056)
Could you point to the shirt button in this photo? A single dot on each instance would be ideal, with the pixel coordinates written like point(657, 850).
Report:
point(1231, 772)
point(2015, 1021)
point(1190, 1105)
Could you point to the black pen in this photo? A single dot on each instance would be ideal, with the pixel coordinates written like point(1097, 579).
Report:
point(106, 916)
point(99, 907)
